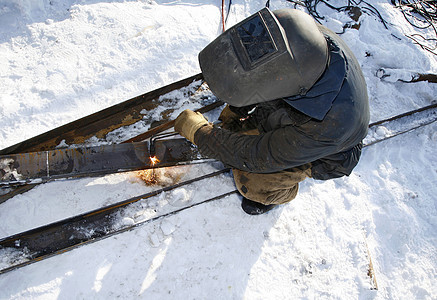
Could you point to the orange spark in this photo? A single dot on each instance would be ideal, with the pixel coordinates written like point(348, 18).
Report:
point(148, 176)
point(154, 160)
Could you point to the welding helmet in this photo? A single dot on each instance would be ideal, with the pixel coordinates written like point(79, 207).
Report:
point(267, 56)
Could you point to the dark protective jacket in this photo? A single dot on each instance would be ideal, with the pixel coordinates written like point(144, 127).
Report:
point(324, 127)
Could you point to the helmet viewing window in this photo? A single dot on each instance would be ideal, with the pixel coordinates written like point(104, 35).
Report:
point(256, 39)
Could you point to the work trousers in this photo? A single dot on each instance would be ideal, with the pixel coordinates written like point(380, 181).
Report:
point(273, 188)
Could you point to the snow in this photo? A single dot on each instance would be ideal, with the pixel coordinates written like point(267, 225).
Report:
point(64, 59)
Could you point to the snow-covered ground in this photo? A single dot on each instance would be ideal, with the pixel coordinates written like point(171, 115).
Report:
point(64, 59)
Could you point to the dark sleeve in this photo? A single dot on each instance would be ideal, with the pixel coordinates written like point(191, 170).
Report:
point(269, 152)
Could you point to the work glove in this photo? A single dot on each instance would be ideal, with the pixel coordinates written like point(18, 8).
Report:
point(230, 120)
point(237, 119)
point(188, 122)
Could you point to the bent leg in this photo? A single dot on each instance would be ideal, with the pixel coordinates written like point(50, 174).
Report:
point(274, 188)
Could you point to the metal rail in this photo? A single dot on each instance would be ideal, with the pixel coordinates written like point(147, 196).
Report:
point(100, 123)
point(50, 240)
point(65, 235)
point(408, 113)
point(418, 118)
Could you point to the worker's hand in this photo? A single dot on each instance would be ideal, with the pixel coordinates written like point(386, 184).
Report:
point(188, 122)
point(237, 119)
point(230, 120)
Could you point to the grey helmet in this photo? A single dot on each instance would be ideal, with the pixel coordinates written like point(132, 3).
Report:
point(267, 56)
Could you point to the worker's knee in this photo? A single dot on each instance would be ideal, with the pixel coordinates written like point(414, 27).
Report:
point(274, 188)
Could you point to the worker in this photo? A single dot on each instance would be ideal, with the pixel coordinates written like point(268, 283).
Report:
point(297, 106)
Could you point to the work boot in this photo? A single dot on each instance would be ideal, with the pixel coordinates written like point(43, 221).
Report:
point(255, 208)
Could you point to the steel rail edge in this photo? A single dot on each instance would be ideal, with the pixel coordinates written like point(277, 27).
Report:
point(103, 212)
point(398, 117)
point(122, 230)
point(101, 122)
point(408, 113)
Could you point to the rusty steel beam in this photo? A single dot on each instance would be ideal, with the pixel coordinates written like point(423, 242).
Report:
point(99, 123)
point(39, 167)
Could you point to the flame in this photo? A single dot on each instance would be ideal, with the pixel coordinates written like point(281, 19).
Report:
point(154, 160)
